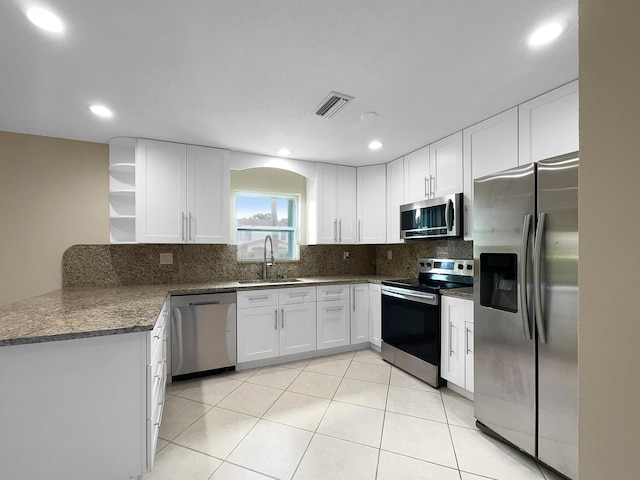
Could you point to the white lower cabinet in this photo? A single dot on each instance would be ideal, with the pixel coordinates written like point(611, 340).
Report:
point(360, 313)
point(86, 407)
point(334, 316)
point(275, 322)
point(375, 315)
point(456, 361)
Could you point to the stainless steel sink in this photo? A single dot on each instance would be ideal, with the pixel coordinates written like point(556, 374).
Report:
point(259, 281)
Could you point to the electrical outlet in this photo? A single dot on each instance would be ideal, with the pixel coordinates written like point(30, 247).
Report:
point(345, 255)
point(166, 259)
point(389, 254)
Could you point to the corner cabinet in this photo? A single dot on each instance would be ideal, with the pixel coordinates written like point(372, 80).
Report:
point(371, 204)
point(456, 361)
point(107, 390)
point(122, 190)
point(331, 205)
point(395, 198)
point(182, 193)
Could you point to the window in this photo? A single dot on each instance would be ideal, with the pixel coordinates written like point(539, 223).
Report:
point(259, 215)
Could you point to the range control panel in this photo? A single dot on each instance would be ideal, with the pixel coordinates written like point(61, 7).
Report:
point(447, 266)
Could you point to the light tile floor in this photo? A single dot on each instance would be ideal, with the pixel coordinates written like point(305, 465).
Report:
point(348, 416)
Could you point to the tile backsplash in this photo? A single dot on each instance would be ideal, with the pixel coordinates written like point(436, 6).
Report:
point(134, 264)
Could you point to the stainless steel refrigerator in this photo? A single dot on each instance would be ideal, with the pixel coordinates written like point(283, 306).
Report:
point(526, 309)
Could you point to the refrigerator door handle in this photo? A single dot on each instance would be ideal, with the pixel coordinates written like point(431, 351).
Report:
point(537, 281)
point(524, 253)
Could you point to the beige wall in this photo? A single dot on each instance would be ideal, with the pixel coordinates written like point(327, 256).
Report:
point(53, 193)
point(609, 351)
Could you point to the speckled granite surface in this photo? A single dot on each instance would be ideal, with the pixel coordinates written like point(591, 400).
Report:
point(94, 311)
point(464, 292)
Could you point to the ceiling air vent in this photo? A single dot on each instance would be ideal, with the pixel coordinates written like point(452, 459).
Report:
point(332, 104)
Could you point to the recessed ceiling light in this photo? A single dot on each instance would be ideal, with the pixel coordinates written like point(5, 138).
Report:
point(284, 152)
point(101, 111)
point(368, 116)
point(375, 145)
point(45, 19)
point(545, 34)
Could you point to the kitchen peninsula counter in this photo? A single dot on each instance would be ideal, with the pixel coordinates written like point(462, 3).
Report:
point(82, 312)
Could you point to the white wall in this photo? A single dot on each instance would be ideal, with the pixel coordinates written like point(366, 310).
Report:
point(53, 193)
point(609, 331)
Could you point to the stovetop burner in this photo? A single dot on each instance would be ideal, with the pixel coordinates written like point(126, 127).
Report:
point(437, 274)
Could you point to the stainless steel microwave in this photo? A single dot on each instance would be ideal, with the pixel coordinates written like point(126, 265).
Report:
point(436, 217)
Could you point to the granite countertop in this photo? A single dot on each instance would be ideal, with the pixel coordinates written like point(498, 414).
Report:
point(462, 292)
point(90, 311)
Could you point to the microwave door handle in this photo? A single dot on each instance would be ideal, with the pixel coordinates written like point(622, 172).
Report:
point(448, 215)
point(522, 270)
point(537, 281)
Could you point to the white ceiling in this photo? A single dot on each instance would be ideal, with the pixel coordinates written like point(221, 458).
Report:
point(246, 74)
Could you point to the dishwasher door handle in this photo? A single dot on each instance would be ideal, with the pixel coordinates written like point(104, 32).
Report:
point(176, 332)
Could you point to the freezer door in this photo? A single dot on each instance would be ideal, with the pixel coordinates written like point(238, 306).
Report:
point(505, 348)
point(558, 322)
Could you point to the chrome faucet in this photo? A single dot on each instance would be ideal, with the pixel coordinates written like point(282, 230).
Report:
point(266, 264)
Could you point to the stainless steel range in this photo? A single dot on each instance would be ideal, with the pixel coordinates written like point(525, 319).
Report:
point(411, 316)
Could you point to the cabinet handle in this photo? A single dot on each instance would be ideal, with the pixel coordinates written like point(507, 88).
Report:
point(466, 220)
point(282, 318)
point(190, 227)
point(275, 317)
point(184, 221)
point(335, 231)
point(432, 189)
point(359, 231)
point(353, 298)
point(334, 309)
point(263, 297)
point(426, 193)
point(466, 339)
point(340, 231)
point(450, 338)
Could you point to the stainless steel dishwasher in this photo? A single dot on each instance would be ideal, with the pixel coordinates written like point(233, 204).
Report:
point(203, 333)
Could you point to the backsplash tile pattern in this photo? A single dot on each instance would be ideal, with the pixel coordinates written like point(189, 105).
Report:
point(139, 264)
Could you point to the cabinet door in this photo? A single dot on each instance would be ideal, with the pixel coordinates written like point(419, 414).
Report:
point(333, 329)
point(488, 147)
point(395, 198)
point(445, 165)
point(297, 328)
point(323, 206)
point(452, 361)
point(372, 204)
point(375, 314)
point(208, 183)
point(360, 313)
point(161, 205)
point(548, 124)
point(468, 374)
point(416, 175)
point(346, 204)
point(257, 333)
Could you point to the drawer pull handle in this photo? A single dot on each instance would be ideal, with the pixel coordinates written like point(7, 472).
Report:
point(264, 297)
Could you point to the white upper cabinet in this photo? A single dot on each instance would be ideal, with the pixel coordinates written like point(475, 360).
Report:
point(548, 124)
point(488, 147)
point(161, 192)
point(395, 198)
point(208, 185)
point(445, 166)
point(371, 204)
point(182, 193)
point(331, 205)
point(416, 175)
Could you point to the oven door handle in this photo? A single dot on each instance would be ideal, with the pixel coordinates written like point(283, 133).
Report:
point(404, 295)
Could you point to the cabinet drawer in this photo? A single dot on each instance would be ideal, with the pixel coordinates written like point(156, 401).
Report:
point(333, 292)
point(296, 295)
point(257, 298)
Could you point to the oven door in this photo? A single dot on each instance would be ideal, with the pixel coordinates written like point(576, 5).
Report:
point(411, 322)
